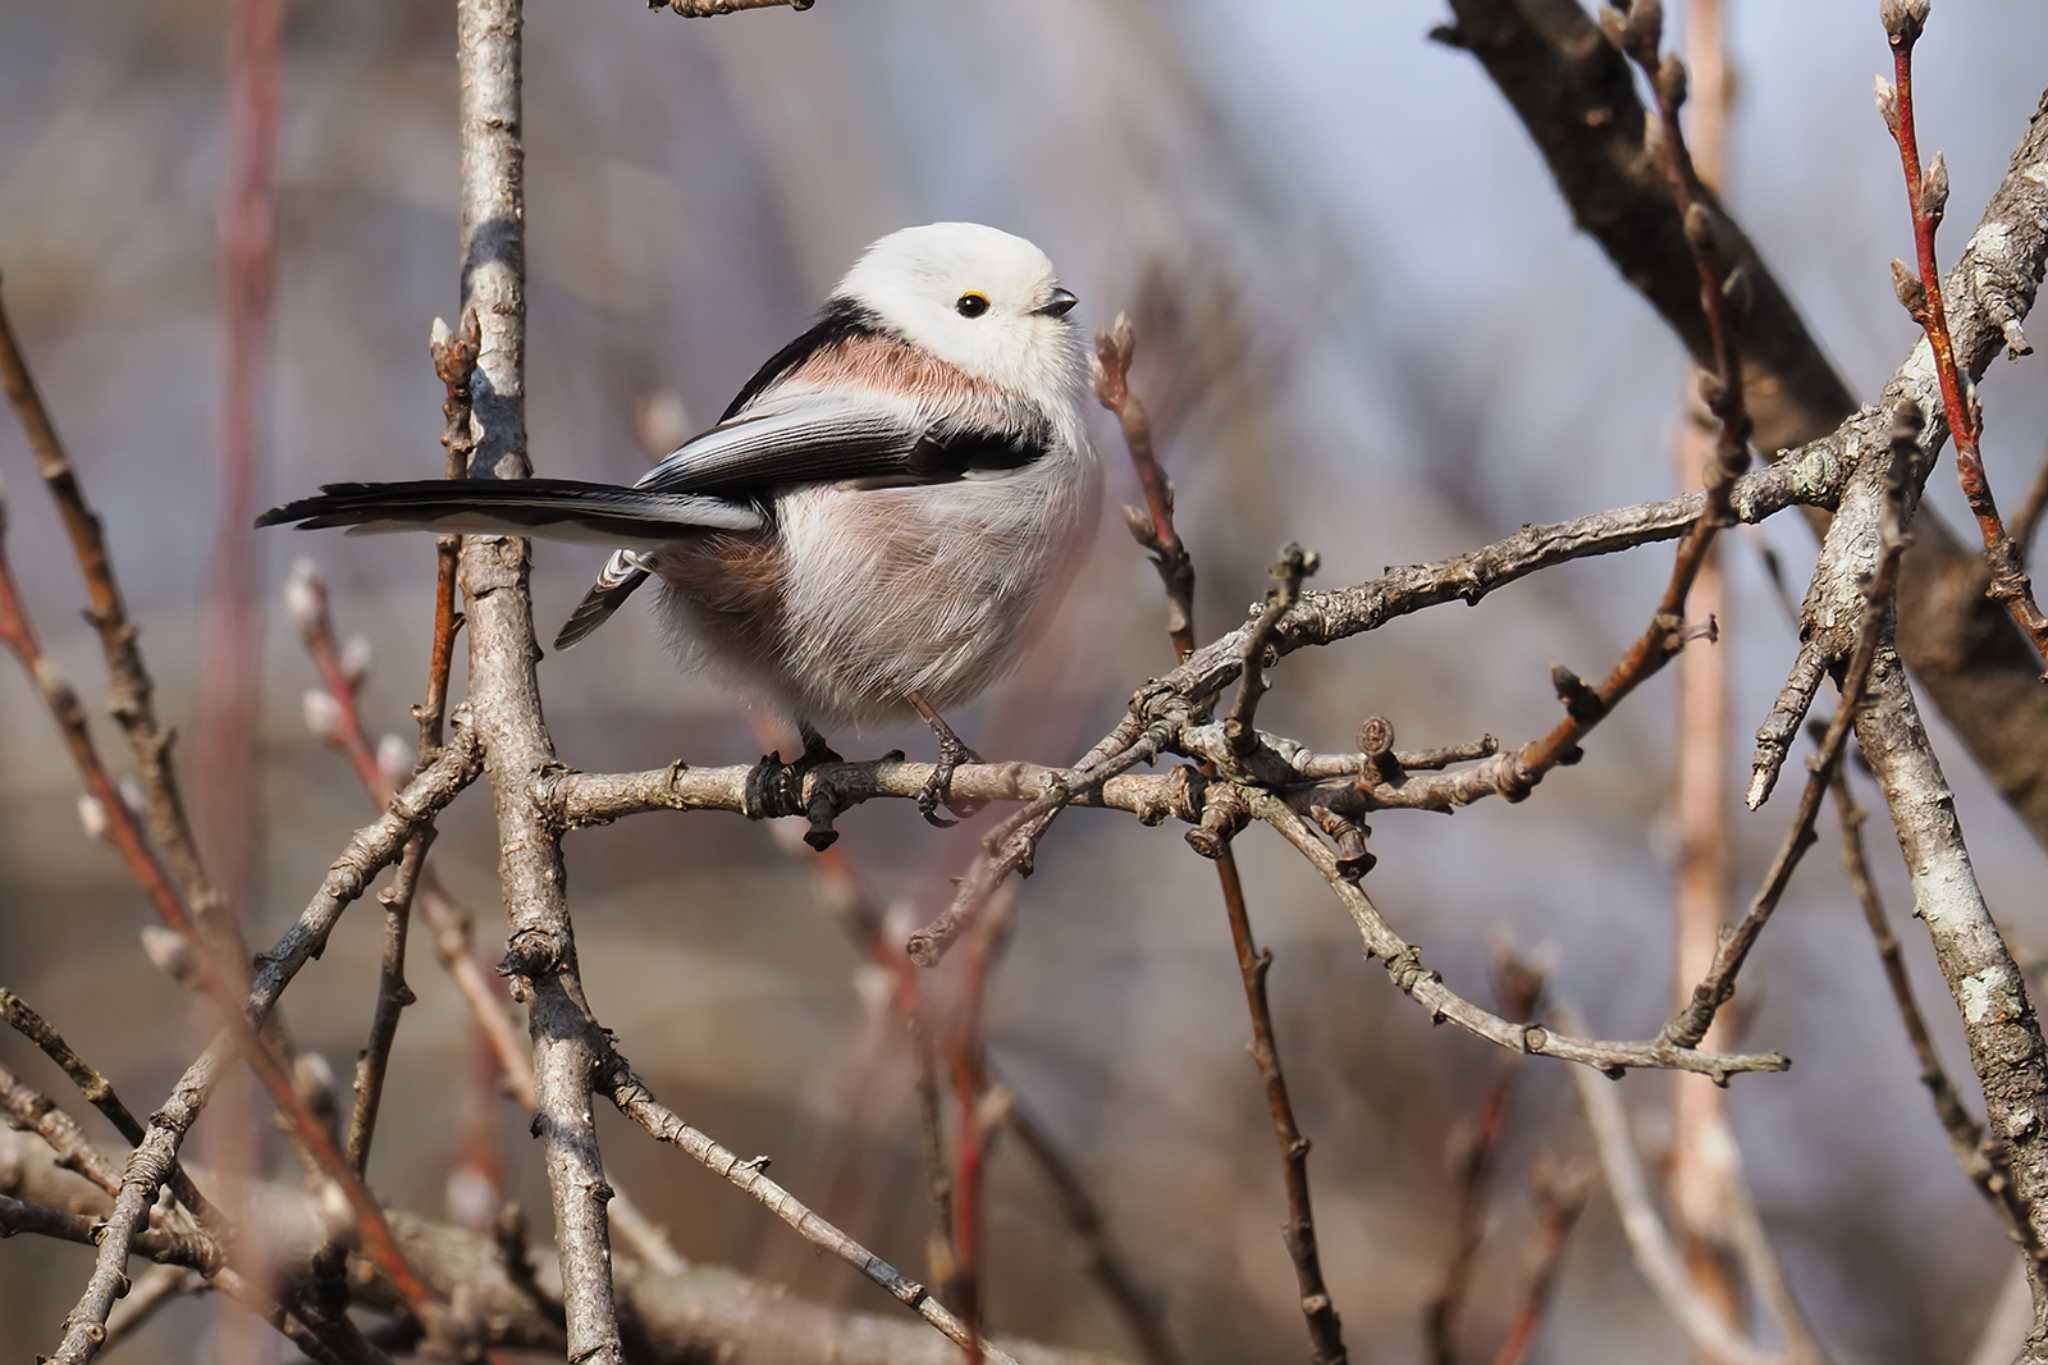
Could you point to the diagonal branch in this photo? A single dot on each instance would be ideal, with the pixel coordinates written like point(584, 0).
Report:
point(1927, 201)
point(1573, 93)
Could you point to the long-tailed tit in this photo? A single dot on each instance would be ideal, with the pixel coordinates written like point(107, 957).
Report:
point(878, 522)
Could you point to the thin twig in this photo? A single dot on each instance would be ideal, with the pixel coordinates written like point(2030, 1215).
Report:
point(1154, 530)
point(1688, 1027)
point(1656, 1254)
point(2028, 520)
point(1518, 988)
point(1560, 1199)
point(132, 699)
point(1151, 525)
point(99, 1093)
point(368, 852)
point(1927, 201)
point(638, 1103)
point(1424, 986)
point(705, 9)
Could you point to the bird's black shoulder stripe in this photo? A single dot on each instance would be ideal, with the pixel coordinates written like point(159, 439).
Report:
point(955, 452)
point(841, 320)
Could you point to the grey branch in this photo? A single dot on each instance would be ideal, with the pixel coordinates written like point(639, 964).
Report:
point(1573, 92)
point(681, 1318)
point(504, 691)
point(373, 848)
point(638, 1103)
point(1655, 1252)
point(1426, 988)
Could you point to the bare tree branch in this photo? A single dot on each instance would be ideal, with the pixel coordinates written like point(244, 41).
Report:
point(1574, 95)
point(503, 690)
point(1927, 200)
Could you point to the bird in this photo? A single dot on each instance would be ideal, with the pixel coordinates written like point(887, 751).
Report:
point(885, 515)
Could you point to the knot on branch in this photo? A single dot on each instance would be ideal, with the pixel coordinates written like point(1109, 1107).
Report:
point(1406, 968)
point(1354, 859)
point(1581, 702)
point(532, 953)
point(1180, 797)
point(1225, 813)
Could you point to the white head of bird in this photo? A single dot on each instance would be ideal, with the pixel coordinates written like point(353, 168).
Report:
point(978, 298)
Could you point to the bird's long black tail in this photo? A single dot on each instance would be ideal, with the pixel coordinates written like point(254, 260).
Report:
point(551, 509)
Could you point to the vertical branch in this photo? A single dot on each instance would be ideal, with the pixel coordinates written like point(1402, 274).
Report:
point(1927, 201)
point(247, 243)
point(1152, 527)
point(504, 692)
point(1699, 1178)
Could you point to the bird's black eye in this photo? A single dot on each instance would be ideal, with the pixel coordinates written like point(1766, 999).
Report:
point(972, 304)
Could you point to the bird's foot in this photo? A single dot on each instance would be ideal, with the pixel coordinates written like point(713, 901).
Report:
point(775, 788)
point(938, 789)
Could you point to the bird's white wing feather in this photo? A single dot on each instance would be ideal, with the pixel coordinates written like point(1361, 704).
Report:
point(798, 437)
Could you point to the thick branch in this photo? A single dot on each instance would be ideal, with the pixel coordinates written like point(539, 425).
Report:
point(1572, 92)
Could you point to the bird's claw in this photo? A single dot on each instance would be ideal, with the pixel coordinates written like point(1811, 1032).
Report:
point(938, 788)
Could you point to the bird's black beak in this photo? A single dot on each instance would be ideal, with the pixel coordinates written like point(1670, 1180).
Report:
point(1061, 302)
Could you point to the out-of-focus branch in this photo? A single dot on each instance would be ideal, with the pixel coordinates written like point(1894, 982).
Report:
point(133, 704)
point(1927, 202)
point(1574, 95)
point(1560, 1199)
point(371, 849)
point(682, 1318)
point(1697, 1178)
point(106, 811)
point(99, 1093)
point(867, 925)
point(1656, 1253)
point(1518, 989)
point(229, 675)
point(2028, 519)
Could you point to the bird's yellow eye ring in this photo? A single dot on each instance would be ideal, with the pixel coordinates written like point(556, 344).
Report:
point(972, 304)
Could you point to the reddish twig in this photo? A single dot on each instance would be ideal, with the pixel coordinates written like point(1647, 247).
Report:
point(1151, 525)
point(228, 700)
point(1519, 990)
point(1325, 1330)
point(132, 691)
point(1927, 201)
point(455, 366)
point(110, 812)
point(1560, 1199)
point(974, 1118)
point(1155, 532)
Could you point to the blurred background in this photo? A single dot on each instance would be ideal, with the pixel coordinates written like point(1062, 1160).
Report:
point(1365, 322)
